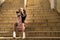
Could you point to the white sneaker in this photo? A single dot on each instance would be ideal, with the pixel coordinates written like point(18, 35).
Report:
point(23, 35)
point(14, 34)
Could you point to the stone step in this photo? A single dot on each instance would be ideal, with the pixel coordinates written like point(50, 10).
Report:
point(43, 26)
point(42, 19)
point(39, 2)
point(10, 38)
point(4, 21)
point(16, 4)
point(29, 13)
point(42, 39)
point(42, 34)
point(56, 20)
point(28, 19)
point(32, 17)
point(9, 29)
point(8, 15)
point(32, 20)
point(6, 34)
point(41, 13)
point(13, 21)
point(10, 34)
point(8, 18)
point(49, 23)
point(33, 27)
point(37, 7)
point(29, 38)
point(28, 10)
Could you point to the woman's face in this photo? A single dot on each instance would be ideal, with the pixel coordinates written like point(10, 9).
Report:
point(21, 9)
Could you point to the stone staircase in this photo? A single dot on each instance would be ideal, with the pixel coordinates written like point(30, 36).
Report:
point(8, 16)
point(42, 23)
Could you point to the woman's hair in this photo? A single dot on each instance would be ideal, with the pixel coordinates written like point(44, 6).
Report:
point(19, 10)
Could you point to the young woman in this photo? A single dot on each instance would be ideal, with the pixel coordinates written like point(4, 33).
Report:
point(21, 16)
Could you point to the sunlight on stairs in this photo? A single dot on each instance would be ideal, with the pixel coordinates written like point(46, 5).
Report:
point(42, 23)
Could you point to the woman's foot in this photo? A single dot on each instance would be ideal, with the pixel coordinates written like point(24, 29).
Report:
point(14, 34)
point(24, 35)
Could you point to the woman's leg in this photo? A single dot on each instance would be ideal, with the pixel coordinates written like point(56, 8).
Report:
point(23, 23)
point(23, 26)
point(23, 30)
point(14, 30)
